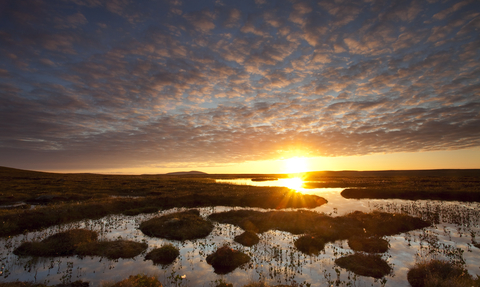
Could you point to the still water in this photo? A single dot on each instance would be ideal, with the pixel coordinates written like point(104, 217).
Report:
point(274, 260)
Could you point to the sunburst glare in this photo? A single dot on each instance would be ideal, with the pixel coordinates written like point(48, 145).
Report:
point(295, 183)
point(296, 165)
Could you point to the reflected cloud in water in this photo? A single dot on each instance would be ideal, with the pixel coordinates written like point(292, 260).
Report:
point(274, 259)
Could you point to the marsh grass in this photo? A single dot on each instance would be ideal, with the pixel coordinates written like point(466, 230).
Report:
point(368, 244)
point(80, 242)
point(185, 225)
point(309, 244)
point(365, 265)
point(320, 228)
point(321, 225)
point(112, 249)
point(102, 195)
point(438, 273)
point(226, 259)
point(164, 255)
point(78, 283)
point(59, 244)
point(248, 238)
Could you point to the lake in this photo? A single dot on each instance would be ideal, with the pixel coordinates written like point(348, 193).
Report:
point(274, 260)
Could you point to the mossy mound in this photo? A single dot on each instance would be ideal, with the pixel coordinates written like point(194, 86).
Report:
point(226, 259)
point(179, 226)
point(309, 244)
point(112, 249)
point(139, 280)
point(59, 244)
point(365, 265)
point(368, 244)
point(248, 238)
point(440, 274)
point(163, 255)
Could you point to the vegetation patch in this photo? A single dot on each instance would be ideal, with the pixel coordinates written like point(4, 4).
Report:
point(365, 265)
point(112, 249)
point(73, 197)
point(296, 222)
point(185, 225)
point(59, 244)
point(226, 259)
point(142, 210)
point(77, 283)
point(441, 274)
point(322, 226)
point(248, 238)
point(164, 255)
point(309, 244)
point(368, 244)
point(477, 245)
point(138, 280)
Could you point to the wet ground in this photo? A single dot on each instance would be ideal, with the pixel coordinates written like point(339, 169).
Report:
point(275, 259)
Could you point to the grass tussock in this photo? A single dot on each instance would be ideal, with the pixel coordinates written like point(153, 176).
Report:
point(248, 238)
point(164, 255)
point(438, 273)
point(59, 244)
point(309, 244)
point(185, 225)
point(112, 249)
point(365, 265)
point(226, 259)
point(368, 244)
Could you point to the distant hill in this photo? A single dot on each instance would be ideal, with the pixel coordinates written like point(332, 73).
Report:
point(186, 172)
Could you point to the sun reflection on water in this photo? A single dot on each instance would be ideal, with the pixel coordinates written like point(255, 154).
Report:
point(294, 183)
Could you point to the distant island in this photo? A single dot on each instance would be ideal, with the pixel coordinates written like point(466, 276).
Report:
point(185, 172)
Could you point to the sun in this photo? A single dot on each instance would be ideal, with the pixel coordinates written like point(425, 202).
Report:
point(296, 165)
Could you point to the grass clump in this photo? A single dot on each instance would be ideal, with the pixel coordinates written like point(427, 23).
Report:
point(248, 238)
point(138, 280)
point(309, 244)
point(368, 244)
point(226, 259)
point(59, 244)
point(365, 265)
point(440, 273)
point(185, 225)
point(112, 249)
point(164, 255)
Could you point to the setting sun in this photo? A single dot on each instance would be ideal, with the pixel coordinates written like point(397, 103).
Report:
point(296, 165)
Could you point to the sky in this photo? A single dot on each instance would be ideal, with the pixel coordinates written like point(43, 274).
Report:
point(124, 86)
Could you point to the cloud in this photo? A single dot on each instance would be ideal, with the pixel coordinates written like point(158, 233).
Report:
point(180, 81)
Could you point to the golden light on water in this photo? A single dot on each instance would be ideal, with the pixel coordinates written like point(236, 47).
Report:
point(295, 183)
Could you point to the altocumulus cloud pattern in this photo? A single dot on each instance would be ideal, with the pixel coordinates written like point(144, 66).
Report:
point(103, 83)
